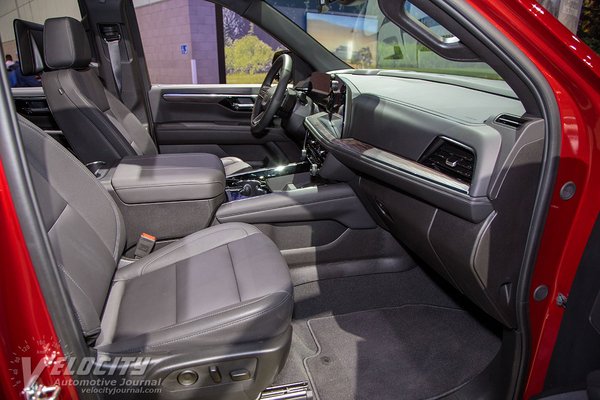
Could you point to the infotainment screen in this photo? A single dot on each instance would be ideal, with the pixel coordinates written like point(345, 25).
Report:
point(320, 83)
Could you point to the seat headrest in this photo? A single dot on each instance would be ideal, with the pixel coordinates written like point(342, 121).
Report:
point(66, 44)
point(30, 37)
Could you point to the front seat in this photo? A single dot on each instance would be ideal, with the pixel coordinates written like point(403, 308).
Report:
point(97, 125)
point(217, 300)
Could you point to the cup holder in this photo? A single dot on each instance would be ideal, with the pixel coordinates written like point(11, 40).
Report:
point(97, 168)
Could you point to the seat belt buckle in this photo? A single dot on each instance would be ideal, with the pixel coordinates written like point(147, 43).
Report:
point(144, 245)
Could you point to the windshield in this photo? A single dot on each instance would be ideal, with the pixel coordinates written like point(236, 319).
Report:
point(360, 35)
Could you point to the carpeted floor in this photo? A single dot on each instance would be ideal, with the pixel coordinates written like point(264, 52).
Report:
point(409, 352)
point(387, 336)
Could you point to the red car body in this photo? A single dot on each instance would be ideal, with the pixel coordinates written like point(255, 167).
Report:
point(572, 70)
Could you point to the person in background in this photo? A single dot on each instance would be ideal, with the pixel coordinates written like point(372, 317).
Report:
point(11, 70)
point(8, 61)
point(16, 78)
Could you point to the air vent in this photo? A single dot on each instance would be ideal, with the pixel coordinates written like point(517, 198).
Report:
point(451, 159)
point(510, 120)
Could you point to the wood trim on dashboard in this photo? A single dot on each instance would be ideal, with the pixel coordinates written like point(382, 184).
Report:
point(360, 149)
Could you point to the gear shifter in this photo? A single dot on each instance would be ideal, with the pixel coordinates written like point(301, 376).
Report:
point(251, 188)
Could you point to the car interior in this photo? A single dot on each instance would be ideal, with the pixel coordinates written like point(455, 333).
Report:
point(332, 233)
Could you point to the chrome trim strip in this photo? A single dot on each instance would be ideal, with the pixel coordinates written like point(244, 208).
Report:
point(202, 97)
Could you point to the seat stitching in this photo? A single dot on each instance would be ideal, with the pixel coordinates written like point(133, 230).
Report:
point(80, 289)
point(59, 215)
point(213, 314)
point(237, 286)
point(219, 327)
point(182, 243)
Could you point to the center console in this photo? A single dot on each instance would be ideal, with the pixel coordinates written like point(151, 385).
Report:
point(266, 180)
point(166, 195)
point(282, 178)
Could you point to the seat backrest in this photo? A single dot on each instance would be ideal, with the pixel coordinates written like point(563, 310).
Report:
point(84, 225)
point(97, 125)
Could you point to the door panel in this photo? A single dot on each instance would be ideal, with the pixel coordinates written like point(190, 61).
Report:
point(30, 103)
point(216, 119)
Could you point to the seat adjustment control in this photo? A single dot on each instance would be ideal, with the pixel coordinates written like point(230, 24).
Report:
point(214, 373)
point(187, 377)
point(239, 375)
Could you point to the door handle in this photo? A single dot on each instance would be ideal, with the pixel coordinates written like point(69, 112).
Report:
point(242, 106)
point(36, 110)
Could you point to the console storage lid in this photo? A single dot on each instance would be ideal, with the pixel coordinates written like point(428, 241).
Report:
point(169, 177)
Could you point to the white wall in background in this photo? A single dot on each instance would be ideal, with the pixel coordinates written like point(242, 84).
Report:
point(33, 10)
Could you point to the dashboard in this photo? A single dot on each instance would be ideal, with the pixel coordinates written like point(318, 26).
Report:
point(440, 162)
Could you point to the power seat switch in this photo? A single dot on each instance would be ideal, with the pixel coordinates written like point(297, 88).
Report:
point(144, 245)
point(214, 373)
point(239, 375)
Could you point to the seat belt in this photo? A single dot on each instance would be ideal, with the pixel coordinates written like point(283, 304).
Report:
point(112, 37)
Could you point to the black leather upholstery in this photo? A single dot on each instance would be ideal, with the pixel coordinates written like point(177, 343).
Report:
point(66, 44)
point(30, 42)
point(223, 286)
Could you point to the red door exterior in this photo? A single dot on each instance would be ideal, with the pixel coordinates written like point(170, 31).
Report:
point(26, 329)
point(573, 72)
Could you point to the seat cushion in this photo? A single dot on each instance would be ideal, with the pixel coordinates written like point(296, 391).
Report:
point(234, 165)
point(224, 285)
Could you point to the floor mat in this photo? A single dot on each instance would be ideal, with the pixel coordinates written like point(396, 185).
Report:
point(408, 352)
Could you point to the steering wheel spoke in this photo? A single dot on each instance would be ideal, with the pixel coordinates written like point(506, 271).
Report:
point(257, 119)
point(269, 98)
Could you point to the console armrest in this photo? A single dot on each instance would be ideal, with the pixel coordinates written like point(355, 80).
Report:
point(328, 202)
point(169, 177)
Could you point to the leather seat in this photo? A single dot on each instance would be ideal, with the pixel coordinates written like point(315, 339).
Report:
point(228, 284)
point(98, 126)
point(223, 290)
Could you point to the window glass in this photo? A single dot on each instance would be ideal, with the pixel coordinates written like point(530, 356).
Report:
point(195, 41)
point(359, 34)
point(589, 24)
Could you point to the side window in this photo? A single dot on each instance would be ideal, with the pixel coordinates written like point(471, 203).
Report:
point(196, 41)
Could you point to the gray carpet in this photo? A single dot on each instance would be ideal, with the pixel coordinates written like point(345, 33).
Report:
point(352, 294)
point(407, 352)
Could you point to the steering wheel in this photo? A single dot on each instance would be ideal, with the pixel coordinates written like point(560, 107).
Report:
point(269, 98)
